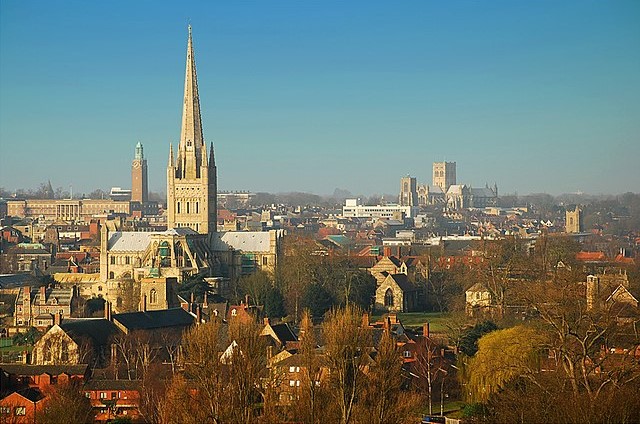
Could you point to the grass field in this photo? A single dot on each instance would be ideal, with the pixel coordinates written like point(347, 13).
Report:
point(436, 320)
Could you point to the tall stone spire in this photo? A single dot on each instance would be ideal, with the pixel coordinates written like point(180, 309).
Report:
point(191, 138)
point(191, 177)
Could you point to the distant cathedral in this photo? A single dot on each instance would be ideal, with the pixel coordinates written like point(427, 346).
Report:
point(192, 175)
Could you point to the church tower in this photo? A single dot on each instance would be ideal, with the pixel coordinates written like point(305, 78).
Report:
point(192, 175)
point(139, 190)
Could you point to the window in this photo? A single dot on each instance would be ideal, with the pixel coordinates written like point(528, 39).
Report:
point(127, 260)
point(114, 395)
point(153, 296)
point(6, 410)
point(187, 207)
point(99, 288)
point(292, 383)
point(234, 312)
point(292, 369)
point(20, 410)
point(111, 275)
point(103, 395)
point(406, 354)
point(388, 298)
point(265, 260)
point(87, 395)
point(113, 260)
point(178, 207)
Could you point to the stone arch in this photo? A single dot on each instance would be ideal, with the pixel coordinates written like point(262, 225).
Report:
point(388, 298)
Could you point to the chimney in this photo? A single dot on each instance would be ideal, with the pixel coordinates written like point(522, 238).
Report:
point(387, 324)
point(269, 353)
point(114, 358)
point(27, 294)
point(107, 310)
point(365, 320)
point(425, 329)
point(246, 299)
point(57, 318)
point(43, 295)
point(204, 302)
point(266, 321)
point(198, 314)
point(192, 297)
point(394, 318)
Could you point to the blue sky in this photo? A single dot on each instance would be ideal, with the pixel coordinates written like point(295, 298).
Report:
point(312, 95)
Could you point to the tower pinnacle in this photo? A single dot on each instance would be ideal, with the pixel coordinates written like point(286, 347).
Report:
point(191, 138)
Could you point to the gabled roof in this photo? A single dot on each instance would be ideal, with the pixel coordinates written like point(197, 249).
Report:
point(129, 241)
point(112, 385)
point(175, 317)
point(284, 333)
point(403, 282)
point(98, 330)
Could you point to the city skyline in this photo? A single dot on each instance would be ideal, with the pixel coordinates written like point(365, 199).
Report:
point(538, 98)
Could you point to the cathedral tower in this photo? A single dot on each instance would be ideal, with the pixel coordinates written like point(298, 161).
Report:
point(139, 190)
point(191, 175)
point(444, 175)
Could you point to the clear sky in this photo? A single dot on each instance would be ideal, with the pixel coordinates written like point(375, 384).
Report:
point(538, 96)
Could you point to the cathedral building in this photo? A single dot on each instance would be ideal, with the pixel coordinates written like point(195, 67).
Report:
point(191, 174)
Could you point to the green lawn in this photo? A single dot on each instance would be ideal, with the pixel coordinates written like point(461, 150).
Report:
point(417, 319)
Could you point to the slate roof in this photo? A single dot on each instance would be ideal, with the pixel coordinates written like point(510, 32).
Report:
point(403, 282)
point(112, 385)
point(175, 317)
point(99, 330)
point(33, 394)
point(22, 369)
point(284, 333)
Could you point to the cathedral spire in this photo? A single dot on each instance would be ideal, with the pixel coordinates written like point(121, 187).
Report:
point(191, 138)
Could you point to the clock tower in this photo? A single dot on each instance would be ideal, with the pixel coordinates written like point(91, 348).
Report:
point(139, 190)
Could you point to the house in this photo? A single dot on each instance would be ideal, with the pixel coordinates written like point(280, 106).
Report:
point(37, 308)
point(21, 406)
point(478, 299)
point(397, 293)
point(114, 399)
point(23, 388)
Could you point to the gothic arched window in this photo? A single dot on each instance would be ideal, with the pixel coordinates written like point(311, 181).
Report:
point(388, 298)
point(153, 296)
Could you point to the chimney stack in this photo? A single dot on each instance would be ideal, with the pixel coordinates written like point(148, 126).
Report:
point(43, 295)
point(107, 310)
point(198, 314)
point(266, 321)
point(57, 318)
point(425, 329)
point(365, 320)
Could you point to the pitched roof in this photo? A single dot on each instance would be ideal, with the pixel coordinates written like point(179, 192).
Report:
point(247, 241)
point(112, 385)
point(23, 369)
point(403, 282)
point(175, 317)
point(478, 287)
point(284, 333)
point(99, 330)
point(129, 241)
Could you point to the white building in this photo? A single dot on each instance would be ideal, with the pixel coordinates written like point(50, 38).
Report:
point(353, 209)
